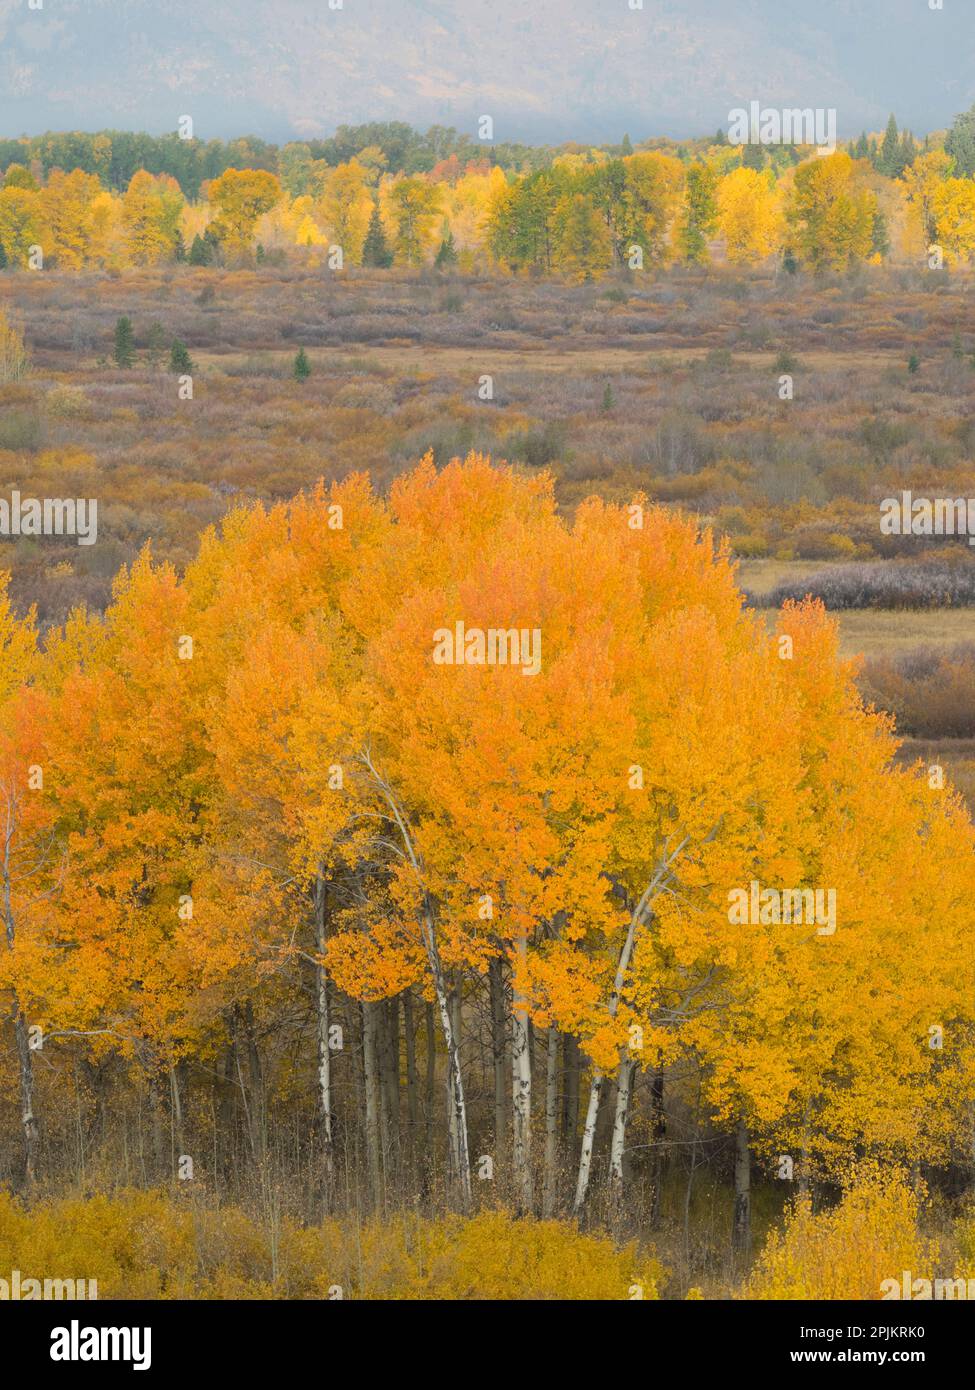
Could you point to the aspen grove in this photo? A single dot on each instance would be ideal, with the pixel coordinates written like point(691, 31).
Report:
point(285, 898)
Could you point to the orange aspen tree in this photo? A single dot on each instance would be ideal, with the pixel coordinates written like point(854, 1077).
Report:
point(493, 674)
point(141, 965)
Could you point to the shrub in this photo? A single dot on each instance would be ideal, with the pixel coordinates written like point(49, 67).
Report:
point(964, 1242)
point(931, 691)
point(537, 447)
point(20, 429)
point(934, 582)
point(14, 358)
point(66, 401)
point(849, 1250)
point(750, 547)
point(842, 547)
point(146, 1245)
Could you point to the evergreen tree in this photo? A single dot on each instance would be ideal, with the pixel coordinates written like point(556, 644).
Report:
point(302, 367)
point(180, 361)
point(862, 148)
point(179, 247)
point(626, 147)
point(960, 144)
point(156, 343)
point(375, 250)
point(907, 153)
point(520, 232)
point(889, 157)
point(3, 257)
point(447, 255)
point(124, 349)
point(753, 157)
point(201, 253)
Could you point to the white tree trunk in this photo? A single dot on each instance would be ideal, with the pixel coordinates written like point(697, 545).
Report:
point(460, 1149)
point(28, 1120)
point(640, 916)
point(624, 1087)
point(521, 1092)
point(588, 1139)
point(324, 1096)
point(25, 1061)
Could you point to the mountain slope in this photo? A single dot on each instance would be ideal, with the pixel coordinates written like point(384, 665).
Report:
point(549, 69)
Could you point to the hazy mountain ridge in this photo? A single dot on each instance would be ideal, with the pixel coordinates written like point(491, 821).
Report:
point(585, 69)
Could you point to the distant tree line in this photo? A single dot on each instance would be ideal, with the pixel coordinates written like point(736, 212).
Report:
point(115, 155)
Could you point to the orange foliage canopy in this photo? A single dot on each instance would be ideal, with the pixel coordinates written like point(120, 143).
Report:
point(623, 742)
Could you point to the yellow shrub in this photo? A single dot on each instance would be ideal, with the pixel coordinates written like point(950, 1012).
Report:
point(66, 400)
point(494, 1257)
point(964, 1242)
point(14, 359)
point(750, 547)
point(848, 1251)
point(129, 1244)
point(149, 1245)
point(841, 547)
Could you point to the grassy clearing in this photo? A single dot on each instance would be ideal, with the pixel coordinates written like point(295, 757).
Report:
point(870, 632)
point(867, 631)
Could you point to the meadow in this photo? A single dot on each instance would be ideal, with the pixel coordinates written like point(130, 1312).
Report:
point(666, 386)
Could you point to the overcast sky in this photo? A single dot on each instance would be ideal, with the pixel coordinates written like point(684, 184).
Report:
point(544, 69)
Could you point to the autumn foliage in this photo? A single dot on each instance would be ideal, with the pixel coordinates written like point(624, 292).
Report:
point(848, 1251)
point(248, 805)
point(142, 1245)
point(575, 212)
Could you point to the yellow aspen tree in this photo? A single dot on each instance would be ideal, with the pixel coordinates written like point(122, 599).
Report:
point(749, 219)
